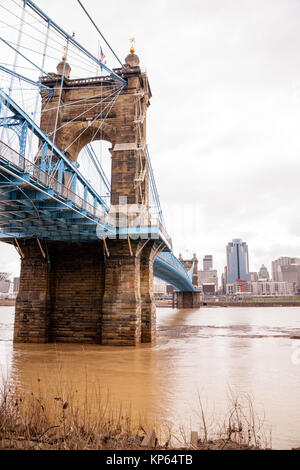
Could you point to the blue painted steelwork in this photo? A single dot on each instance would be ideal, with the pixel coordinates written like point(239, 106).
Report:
point(168, 268)
point(32, 204)
point(19, 126)
point(47, 142)
point(26, 79)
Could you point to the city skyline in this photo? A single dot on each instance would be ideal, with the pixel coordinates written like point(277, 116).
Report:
point(12, 266)
point(245, 123)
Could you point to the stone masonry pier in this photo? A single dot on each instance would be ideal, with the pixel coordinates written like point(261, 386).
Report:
point(77, 294)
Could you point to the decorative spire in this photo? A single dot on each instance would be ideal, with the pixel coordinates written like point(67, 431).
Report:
point(63, 68)
point(132, 59)
point(64, 57)
point(132, 49)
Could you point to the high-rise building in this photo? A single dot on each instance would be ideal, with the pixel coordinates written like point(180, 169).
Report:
point(208, 277)
point(237, 261)
point(207, 262)
point(278, 264)
point(224, 280)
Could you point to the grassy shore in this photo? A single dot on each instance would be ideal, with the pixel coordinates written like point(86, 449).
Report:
point(43, 421)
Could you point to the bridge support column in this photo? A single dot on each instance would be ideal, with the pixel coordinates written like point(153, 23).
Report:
point(147, 298)
point(77, 289)
point(121, 311)
point(60, 297)
point(32, 313)
point(187, 299)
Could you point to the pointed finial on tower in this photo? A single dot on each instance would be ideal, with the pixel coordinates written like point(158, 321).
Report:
point(63, 68)
point(64, 57)
point(132, 49)
point(132, 59)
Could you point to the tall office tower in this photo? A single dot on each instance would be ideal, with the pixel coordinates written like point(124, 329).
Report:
point(237, 261)
point(207, 262)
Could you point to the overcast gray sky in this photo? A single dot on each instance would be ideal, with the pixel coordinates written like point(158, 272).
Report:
point(224, 120)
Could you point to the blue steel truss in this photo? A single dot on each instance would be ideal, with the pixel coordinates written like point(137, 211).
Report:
point(19, 126)
point(26, 79)
point(63, 164)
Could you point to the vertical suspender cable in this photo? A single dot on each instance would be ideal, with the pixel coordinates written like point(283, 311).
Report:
point(14, 65)
point(40, 80)
point(59, 100)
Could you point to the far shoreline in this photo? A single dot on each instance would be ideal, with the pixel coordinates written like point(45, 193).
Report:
point(208, 304)
point(266, 303)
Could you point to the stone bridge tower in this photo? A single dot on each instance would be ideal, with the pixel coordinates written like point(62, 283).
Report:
point(188, 265)
point(80, 292)
point(189, 299)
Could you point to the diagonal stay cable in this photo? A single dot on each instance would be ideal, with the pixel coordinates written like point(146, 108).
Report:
point(81, 114)
point(114, 100)
point(84, 130)
point(96, 27)
point(24, 57)
point(66, 105)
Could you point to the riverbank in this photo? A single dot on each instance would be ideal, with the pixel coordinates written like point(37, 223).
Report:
point(267, 303)
point(31, 420)
point(254, 303)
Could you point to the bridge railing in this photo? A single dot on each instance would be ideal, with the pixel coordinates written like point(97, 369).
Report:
point(41, 176)
point(25, 166)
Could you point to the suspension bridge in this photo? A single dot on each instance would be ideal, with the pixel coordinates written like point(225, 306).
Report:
point(89, 242)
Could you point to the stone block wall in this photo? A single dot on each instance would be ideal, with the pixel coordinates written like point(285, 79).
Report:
point(33, 303)
point(77, 288)
point(78, 295)
point(60, 296)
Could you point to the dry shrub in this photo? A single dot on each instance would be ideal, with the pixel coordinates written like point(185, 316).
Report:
point(61, 420)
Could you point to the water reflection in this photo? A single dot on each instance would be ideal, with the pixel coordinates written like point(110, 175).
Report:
point(206, 352)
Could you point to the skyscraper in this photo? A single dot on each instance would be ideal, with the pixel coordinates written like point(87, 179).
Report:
point(207, 262)
point(208, 277)
point(237, 261)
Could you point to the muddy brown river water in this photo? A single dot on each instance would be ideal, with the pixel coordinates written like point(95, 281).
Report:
point(210, 352)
